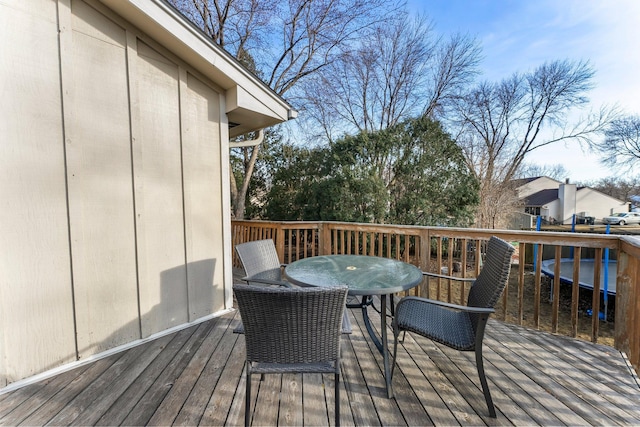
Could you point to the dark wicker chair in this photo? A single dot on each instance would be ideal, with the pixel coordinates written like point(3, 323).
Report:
point(291, 330)
point(261, 264)
point(262, 267)
point(459, 327)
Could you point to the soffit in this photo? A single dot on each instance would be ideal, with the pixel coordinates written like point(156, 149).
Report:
point(251, 104)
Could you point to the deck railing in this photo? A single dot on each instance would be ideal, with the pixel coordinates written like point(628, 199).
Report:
point(531, 299)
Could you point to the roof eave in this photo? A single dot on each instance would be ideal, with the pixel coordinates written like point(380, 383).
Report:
point(251, 104)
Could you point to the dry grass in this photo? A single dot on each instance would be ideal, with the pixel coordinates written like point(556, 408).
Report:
point(585, 299)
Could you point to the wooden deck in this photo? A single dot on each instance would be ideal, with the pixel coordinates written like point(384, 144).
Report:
point(195, 377)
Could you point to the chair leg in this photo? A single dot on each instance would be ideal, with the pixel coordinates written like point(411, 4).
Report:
point(337, 397)
point(483, 381)
point(247, 405)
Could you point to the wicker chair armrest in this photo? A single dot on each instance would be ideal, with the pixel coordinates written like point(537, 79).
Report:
point(258, 279)
point(467, 309)
point(442, 276)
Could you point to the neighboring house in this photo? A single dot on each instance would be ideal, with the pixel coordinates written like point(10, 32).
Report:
point(528, 186)
point(557, 202)
point(114, 176)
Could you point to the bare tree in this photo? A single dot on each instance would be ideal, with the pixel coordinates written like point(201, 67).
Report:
point(503, 122)
point(236, 25)
point(529, 170)
point(283, 42)
point(454, 68)
point(402, 70)
point(498, 201)
point(619, 188)
point(621, 145)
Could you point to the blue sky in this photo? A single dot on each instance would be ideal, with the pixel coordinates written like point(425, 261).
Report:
point(519, 35)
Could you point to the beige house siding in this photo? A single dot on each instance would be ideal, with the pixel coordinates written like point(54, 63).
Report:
point(535, 185)
point(36, 296)
point(203, 199)
point(158, 188)
point(114, 171)
point(597, 204)
point(98, 153)
point(572, 200)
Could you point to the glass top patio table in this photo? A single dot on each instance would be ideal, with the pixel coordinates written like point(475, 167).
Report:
point(364, 275)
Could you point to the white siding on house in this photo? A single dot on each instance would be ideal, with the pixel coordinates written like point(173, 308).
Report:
point(597, 204)
point(113, 183)
point(538, 184)
point(553, 211)
point(589, 202)
point(36, 301)
point(201, 153)
point(567, 196)
point(100, 183)
point(572, 200)
point(158, 184)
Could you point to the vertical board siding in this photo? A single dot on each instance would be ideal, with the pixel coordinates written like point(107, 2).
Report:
point(100, 183)
point(201, 147)
point(158, 189)
point(35, 290)
point(112, 221)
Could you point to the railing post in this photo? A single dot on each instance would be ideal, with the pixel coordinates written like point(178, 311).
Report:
point(627, 314)
point(324, 232)
point(595, 304)
point(537, 283)
point(425, 255)
point(280, 242)
point(521, 264)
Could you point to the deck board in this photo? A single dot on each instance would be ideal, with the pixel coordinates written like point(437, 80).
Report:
point(196, 377)
point(122, 393)
point(526, 359)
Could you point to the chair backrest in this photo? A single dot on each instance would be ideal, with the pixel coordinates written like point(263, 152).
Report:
point(291, 325)
point(493, 277)
point(258, 256)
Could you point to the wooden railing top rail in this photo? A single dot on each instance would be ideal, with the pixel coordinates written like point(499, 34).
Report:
point(279, 224)
point(630, 245)
point(557, 238)
point(551, 237)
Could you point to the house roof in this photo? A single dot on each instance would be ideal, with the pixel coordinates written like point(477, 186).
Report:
point(548, 195)
point(522, 181)
point(542, 197)
point(250, 103)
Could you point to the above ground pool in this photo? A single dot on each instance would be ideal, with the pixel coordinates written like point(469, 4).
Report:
point(586, 273)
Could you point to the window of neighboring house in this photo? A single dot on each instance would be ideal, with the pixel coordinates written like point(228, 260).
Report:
point(532, 210)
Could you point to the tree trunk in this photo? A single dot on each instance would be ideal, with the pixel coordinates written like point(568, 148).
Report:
point(239, 201)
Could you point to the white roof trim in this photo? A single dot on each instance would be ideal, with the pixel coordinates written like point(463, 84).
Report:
point(251, 103)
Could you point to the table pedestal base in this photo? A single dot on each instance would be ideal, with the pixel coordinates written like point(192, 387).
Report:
point(382, 346)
